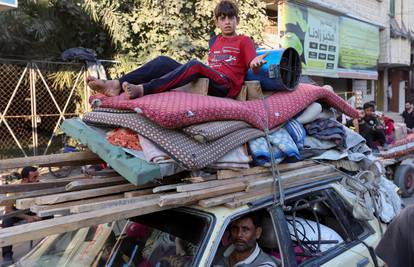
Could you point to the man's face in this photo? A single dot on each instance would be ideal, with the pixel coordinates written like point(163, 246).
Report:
point(227, 25)
point(369, 111)
point(407, 106)
point(33, 177)
point(243, 234)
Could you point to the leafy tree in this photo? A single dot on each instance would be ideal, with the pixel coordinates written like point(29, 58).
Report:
point(143, 29)
point(135, 29)
point(43, 29)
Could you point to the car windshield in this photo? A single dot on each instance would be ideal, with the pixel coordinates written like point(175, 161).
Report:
point(167, 238)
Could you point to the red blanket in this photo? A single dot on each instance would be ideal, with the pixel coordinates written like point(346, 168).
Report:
point(179, 109)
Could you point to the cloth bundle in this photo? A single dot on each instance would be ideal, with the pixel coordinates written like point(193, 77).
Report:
point(327, 129)
point(282, 146)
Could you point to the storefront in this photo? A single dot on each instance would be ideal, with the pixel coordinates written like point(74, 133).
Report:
point(336, 50)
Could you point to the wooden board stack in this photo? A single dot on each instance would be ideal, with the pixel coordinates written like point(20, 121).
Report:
point(82, 201)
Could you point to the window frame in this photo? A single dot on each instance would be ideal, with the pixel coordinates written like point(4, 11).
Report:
point(210, 219)
point(338, 207)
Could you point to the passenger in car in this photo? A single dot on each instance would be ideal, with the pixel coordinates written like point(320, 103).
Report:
point(244, 250)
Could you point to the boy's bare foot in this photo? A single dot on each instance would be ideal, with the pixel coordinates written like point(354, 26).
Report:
point(106, 87)
point(132, 90)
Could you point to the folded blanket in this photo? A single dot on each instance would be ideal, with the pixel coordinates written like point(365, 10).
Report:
point(297, 132)
point(179, 146)
point(327, 129)
point(178, 109)
point(152, 153)
point(214, 130)
point(282, 145)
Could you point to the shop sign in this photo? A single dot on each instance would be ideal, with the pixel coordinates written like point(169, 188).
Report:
point(358, 48)
point(329, 45)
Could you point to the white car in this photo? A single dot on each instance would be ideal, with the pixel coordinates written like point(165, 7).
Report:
point(315, 227)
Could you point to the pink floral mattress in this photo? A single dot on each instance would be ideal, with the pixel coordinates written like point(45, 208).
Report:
point(179, 109)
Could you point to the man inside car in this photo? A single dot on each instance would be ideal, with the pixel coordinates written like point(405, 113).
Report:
point(244, 250)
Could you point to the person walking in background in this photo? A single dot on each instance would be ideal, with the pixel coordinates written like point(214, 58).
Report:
point(408, 115)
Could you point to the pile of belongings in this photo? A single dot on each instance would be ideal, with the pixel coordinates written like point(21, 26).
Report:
point(190, 132)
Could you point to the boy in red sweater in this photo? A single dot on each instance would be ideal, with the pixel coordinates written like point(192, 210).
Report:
point(230, 56)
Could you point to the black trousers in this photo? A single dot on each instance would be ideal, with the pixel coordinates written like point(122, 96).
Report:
point(8, 223)
point(164, 73)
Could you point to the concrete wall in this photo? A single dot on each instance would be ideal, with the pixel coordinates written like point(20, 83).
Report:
point(400, 51)
point(373, 11)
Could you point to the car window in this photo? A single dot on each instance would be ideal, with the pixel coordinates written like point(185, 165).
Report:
point(167, 238)
point(317, 227)
point(163, 239)
point(83, 247)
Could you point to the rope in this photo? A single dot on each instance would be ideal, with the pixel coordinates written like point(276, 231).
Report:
point(277, 181)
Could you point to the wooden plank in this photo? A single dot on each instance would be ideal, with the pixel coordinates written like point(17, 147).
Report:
point(64, 208)
point(14, 199)
point(255, 186)
point(252, 196)
point(216, 201)
point(64, 159)
point(37, 230)
point(102, 173)
point(200, 179)
point(70, 196)
point(165, 188)
point(215, 183)
point(93, 183)
point(118, 203)
point(228, 174)
point(301, 173)
point(190, 197)
point(36, 208)
point(249, 197)
point(293, 178)
point(138, 193)
point(69, 179)
point(14, 188)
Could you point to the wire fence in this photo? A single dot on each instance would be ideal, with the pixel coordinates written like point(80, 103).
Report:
point(36, 97)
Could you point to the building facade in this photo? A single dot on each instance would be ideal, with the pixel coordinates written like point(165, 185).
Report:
point(354, 46)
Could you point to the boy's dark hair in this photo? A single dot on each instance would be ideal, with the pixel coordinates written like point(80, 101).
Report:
point(227, 9)
point(26, 170)
point(369, 105)
point(409, 102)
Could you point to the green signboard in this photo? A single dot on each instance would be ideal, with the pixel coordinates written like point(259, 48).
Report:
point(358, 46)
point(329, 45)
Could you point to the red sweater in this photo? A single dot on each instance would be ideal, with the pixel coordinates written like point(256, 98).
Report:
point(231, 56)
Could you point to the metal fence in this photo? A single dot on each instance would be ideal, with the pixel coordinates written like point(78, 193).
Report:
point(35, 98)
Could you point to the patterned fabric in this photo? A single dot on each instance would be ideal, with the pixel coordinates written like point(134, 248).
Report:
point(282, 144)
point(211, 131)
point(398, 151)
point(327, 129)
point(124, 137)
point(297, 132)
point(179, 109)
point(182, 148)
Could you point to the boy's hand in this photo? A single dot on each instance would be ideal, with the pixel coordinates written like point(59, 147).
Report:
point(257, 62)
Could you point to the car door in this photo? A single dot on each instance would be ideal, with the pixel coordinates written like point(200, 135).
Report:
point(363, 237)
point(350, 251)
